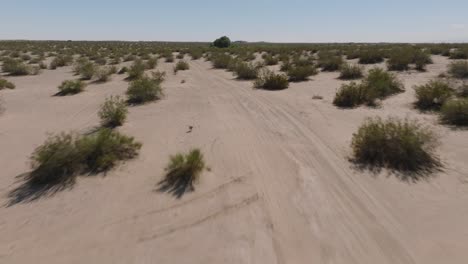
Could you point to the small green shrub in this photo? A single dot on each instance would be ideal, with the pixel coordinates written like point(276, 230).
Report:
point(151, 63)
point(352, 95)
point(221, 61)
point(329, 62)
point(402, 145)
point(268, 80)
point(15, 67)
point(459, 69)
point(185, 169)
point(158, 76)
point(181, 66)
point(301, 73)
point(246, 71)
point(103, 74)
point(455, 112)
point(350, 72)
point(432, 95)
point(87, 70)
point(71, 87)
point(370, 57)
point(382, 83)
point(270, 60)
point(222, 42)
point(6, 84)
point(399, 61)
point(64, 156)
point(144, 89)
point(136, 70)
point(113, 112)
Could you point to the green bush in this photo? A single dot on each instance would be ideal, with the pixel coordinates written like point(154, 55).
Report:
point(270, 60)
point(181, 66)
point(382, 83)
point(71, 87)
point(6, 84)
point(402, 145)
point(432, 95)
point(399, 61)
point(64, 156)
point(352, 95)
point(185, 169)
point(87, 70)
point(61, 61)
point(15, 67)
point(221, 61)
point(268, 80)
point(455, 112)
point(103, 74)
point(151, 63)
point(246, 71)
point(459, 54)
point(378, 84)
point(158, 76)
point(459, 69)
point(329, 62)
point(144, 89)
point(136, 70)
point(370, 57)
point(113, 112)
point(350, 72)
point(301, 73)
point(222, 42)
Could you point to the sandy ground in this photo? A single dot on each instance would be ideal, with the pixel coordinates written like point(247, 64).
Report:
point(280, 189)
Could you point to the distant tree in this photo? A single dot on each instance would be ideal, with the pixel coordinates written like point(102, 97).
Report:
point(222, 42)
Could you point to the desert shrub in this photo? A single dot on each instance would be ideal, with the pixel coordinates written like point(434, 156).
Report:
point(399, 60)
point(432, 95)
point(382, 83)
point(352, 95)
point(462, 91)
point(113, 112)
point(459, 69)
point(459, 54)
point(185, 169)
point(151, 63)
point(455, 112)
point(379, 84)
point(180, 56)
point(42, 65)
point(350, 72)
point(87, 70)
point(144, 89)
point(64, 156)
point(268, 80)
point(136, 70)
point(158, 76)
point(270, 60)
point(421, 59)
point(329, 62)
point(100, 61)
point(402, 145)
point(196, 54)
point(181, 66)
point(168, 57)
point(301, 73)
point(115, 61)
point(6, 84)
point(61, 61)
point(15, 67)
point(222, 42)
point(370, 57)
point(70, 87)
point(246, 71)
point(221, 61)
point(103, 74)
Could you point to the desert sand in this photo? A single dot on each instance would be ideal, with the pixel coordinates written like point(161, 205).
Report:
point(280, 189)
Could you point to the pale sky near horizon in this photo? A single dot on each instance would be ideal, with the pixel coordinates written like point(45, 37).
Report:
point(250, 20)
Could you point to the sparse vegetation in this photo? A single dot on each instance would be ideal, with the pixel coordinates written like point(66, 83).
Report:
point(113, 112)
point(184, 169)
point(301, 73)
point(71, 87)
point(246, 71)
point(6, 84)
point(402, 145)
point(181, 66)
point(64, 156)
point(459, 69)
point(144, 89)
point(455, 112)
point(268, 80)
point(432, 95)
point(350, 72)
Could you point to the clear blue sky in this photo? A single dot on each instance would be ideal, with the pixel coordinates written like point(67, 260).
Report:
point(252, 20)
